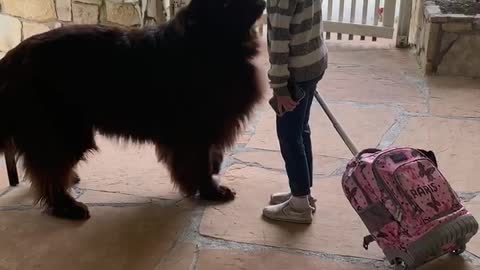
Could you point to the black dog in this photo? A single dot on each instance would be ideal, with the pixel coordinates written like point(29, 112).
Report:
point(188, 86)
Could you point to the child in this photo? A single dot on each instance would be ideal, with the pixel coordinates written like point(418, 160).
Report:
point(298, 58)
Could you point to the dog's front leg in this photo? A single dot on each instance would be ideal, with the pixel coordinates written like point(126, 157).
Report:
point(216, 159)
point(209, 188)
point(192, 168)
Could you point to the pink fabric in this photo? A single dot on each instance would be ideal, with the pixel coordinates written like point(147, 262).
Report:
point(414, 194)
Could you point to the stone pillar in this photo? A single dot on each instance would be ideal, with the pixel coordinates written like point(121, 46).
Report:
point(448, 44)
point(404, 24)
point(153, 12)
point(417, 20)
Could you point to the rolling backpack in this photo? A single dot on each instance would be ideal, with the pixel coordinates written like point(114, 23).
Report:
point(406, 203)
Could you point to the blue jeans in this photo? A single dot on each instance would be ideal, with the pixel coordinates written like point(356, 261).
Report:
point(293, 133)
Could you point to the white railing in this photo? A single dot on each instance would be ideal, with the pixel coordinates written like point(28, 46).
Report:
point(373, 18)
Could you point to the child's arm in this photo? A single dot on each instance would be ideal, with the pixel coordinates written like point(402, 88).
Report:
point(280, 13)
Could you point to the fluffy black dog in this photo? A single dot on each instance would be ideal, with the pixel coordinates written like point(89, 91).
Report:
point(188, 86)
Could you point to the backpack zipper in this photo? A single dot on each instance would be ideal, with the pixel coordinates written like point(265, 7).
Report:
point(398, 213)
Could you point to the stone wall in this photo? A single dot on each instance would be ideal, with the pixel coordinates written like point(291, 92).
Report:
point(448, 44)
point(20, 19)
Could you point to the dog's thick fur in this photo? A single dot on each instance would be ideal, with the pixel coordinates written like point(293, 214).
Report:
point(187, 86)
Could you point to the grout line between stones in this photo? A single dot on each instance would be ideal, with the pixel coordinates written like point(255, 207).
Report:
point(5, 191)
point(340, 169)
point(245, 149)
point(196, 256)
point(168, 252)
point(468, 196)
point(83, 190)
point(422, 86)
point(162, 203)
point(467, 118)
point(406, 113)
point(473, 258)
point(392, 133)
point(17, 208)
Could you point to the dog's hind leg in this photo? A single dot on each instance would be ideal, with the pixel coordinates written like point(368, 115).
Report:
point(51, 179)
point(191, 169)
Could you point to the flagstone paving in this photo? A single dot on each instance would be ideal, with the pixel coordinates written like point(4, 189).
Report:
point(139, 221)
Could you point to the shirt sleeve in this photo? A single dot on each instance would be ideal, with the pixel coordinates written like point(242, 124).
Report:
point(280, 14)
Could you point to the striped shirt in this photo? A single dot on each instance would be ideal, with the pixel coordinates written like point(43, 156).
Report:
point(295, 43)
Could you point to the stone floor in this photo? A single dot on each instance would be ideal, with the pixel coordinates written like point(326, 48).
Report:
point(140, 222)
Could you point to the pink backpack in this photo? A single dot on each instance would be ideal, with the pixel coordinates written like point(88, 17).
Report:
point(407, 205)
point(405, 202)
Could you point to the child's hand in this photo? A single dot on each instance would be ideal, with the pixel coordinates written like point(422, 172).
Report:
point(285, 104)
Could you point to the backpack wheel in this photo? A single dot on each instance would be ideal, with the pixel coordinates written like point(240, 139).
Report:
point(459, 250)
point(401, 265)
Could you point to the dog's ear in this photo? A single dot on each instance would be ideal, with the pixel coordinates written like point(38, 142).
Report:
point(430, 155)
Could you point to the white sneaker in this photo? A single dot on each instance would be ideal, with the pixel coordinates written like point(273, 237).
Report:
point(281, 197)
point(285, 212)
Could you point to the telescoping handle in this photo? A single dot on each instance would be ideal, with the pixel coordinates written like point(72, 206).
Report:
point(337, 125)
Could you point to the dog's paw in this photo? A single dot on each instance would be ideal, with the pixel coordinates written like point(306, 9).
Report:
point(220, 193)
point(73, 211)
